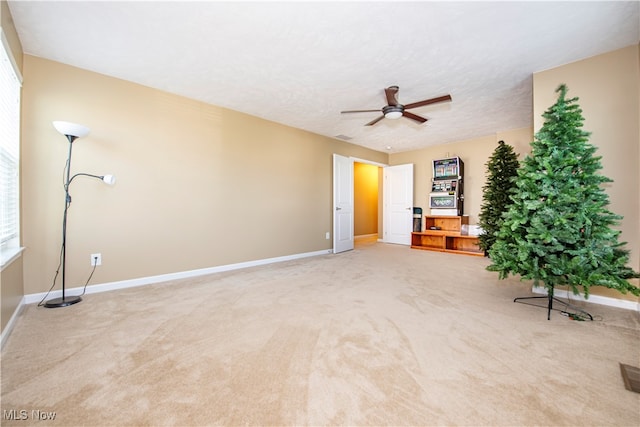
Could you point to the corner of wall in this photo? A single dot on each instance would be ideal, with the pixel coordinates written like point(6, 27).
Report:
point(10, 34)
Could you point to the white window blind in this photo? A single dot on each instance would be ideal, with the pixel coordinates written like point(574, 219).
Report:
point(9, 151)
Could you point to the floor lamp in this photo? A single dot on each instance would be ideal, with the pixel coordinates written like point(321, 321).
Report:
point(72, 131)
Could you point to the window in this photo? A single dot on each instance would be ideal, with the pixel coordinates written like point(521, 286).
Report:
point(9, 155)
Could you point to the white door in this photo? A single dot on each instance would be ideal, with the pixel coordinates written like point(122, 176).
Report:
point(342, 203)
point(398, 204)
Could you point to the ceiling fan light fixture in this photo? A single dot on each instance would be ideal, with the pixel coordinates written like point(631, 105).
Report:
point(393, 111)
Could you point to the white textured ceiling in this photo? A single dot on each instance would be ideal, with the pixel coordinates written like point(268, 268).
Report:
point(301, 63)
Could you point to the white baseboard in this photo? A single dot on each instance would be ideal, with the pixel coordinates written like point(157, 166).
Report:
point(123, 284)
point(595, 299)
point(11, 323)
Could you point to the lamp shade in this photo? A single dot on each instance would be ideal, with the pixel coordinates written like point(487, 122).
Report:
point(392, 111)
point(393, 114)
point(71, 129)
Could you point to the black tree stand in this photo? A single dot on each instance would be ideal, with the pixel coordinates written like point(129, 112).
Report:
point(551, 299)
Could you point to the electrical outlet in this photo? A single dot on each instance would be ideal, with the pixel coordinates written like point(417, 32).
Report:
point(327, 235)
point(96, 259)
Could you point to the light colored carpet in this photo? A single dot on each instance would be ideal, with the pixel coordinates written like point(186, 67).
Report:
point(382, 335)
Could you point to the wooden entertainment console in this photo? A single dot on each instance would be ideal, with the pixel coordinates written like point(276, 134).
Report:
point(447, 238)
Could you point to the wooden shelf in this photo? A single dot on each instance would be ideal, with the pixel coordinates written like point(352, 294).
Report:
point(422, 240)
point(448, 238)
point(446, 223)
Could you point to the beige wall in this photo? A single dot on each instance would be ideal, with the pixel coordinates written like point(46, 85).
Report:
point(365, 209)
point(197, 185)
point(474, 153)
point(11, 279)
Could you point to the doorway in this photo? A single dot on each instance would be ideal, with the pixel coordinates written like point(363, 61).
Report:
point(395, 183)
point(388, 217)
point(367, 201)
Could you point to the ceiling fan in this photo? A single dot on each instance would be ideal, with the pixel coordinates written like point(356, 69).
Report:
point(395, 110)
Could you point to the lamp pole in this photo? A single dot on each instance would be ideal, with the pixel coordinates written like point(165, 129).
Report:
point(64, 301)
point(72, 132)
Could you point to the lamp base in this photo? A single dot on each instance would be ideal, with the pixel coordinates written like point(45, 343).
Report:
point(60, 302)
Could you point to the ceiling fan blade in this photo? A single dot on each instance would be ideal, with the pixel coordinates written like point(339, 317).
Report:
point(428, 101)
point(392, 92)
point(360, 111)
point(412, 116)
point(373, 122)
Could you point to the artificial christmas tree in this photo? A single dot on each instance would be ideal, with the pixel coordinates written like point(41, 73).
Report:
point(558, 229)
point(502, 169)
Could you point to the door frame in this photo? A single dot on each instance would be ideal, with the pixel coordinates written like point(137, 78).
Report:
point(380, 185)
